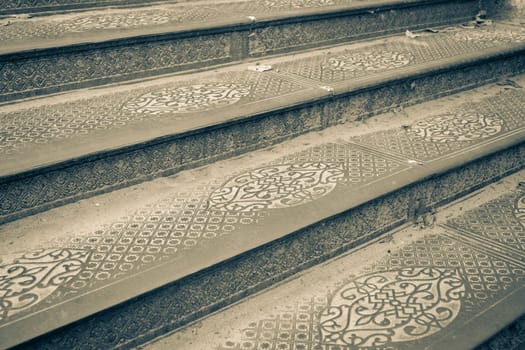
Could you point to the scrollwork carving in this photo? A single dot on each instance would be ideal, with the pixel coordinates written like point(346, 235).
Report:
point(35, 276)
point(393, 306)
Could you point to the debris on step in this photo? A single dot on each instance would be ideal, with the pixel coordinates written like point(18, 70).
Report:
point(410, 34)
point(327, 88)
point(260, 67)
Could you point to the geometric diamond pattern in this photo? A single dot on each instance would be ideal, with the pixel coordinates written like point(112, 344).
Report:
point(359, 166)
point(394, 54)
point(475, 276)
point(153, 234)
point(507, 111)
point(58, 26)
point(486, 275)
point(295, 328)
point(53, 123)
point(495, 220)
point(185, 219)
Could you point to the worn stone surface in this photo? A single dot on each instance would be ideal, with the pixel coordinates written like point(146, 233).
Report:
point(241, 6)
point(286, 37)
point(62, 71)
point(413, 289)
point(44, 129)
point(94, 49)
point(8, 6)
point(252, 211)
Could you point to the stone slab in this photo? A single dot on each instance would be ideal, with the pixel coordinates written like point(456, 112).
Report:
point(51, 54)
point(193, 245)
point(457, 283)
point(9, 7)
point(63, 148)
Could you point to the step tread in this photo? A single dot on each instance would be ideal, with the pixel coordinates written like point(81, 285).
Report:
point(21, 34)
point(96, 253)
point(464, 265)
point(56, 130)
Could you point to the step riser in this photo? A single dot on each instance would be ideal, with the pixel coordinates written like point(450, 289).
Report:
point(54, 70)
point(45, 188)
point(511, 337)
point(173, 306)
point(504, 9)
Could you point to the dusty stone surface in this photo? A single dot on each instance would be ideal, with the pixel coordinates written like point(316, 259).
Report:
point(89, 214)
point(146, 112)
point(296, 314)
point(120, 244)
point(51, 54)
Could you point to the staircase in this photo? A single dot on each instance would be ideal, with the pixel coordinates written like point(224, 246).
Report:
point(163, 160)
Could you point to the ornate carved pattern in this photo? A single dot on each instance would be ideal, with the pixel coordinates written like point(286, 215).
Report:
point(154, 233)
point(411, 293)
point(28, 280)
point(150, 235)
point(501, 220)
point(369, 61)
point(58, 26)
point(300, 178)
point(296, 328)
point(79, 118)
point(307, 33)
point(113, 21)
point(188, 99)
point(457, 127)
point(274, 4)
point(184, 220)
point(121, 169)
point(14, 4)
point(485, 275)
point(393, 306)
point(277, 186)
point(373, 58)
point(65, 68)
point(490, 36)
point(354, 63)
point(437, 136)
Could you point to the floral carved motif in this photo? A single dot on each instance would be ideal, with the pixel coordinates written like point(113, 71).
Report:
point(30, 279)
point(123, 20)
point(497, 37)
point(457, 127)
point(186, 99)
point(392, 306)
point(296, 3)
point(369, 61)
point(277, 186)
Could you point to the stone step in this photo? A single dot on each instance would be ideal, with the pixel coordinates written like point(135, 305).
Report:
point(119, 269)
point(49, 54)
point(457, 284)
point(58, 149)
point(40, 7)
